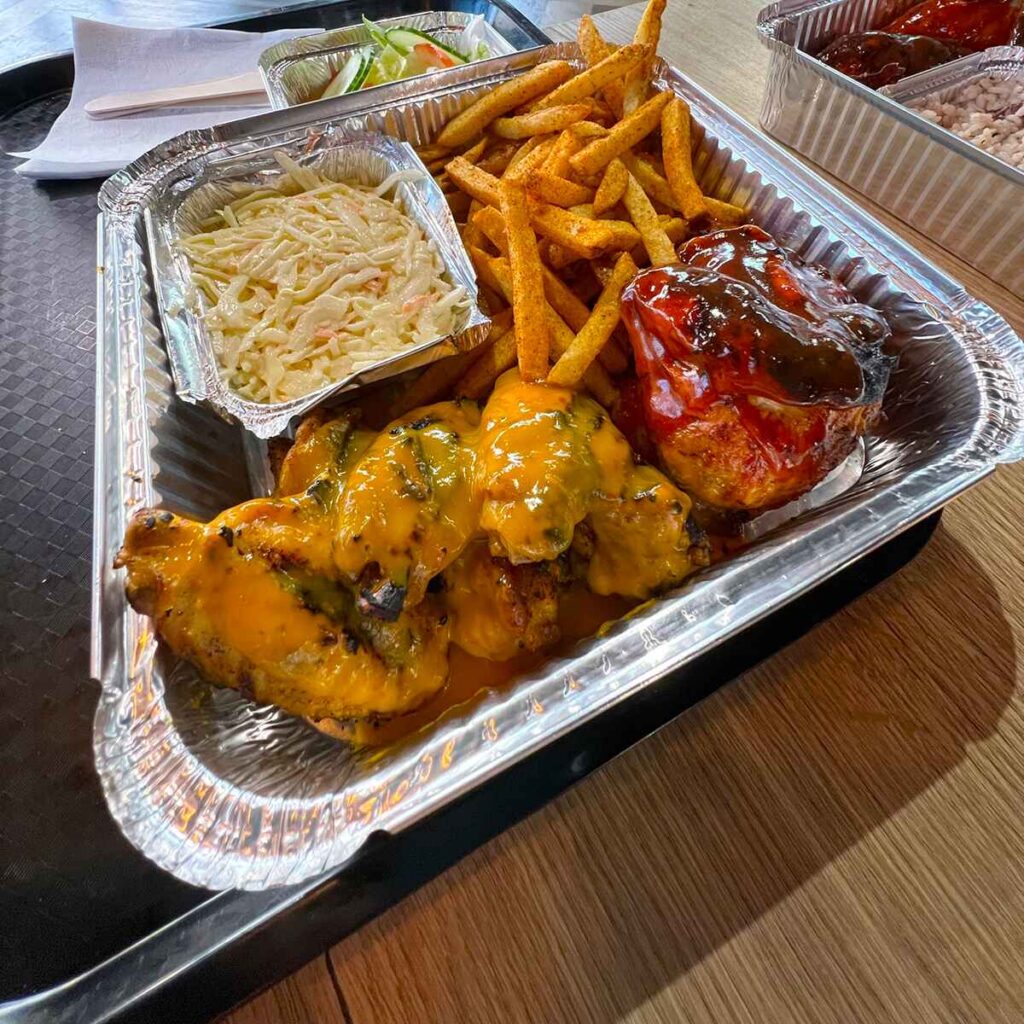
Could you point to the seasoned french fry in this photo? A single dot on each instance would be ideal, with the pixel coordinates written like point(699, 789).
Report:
point(476, 151)
point(562, 337)
point(562, 299)
point(557, 191)
point(432, 152)
point(612, 187)
point(638, 81)
point(594, 50)
point(558, 257)
point(594, 377)
point(533, 335)
point(612, 68)
point(584, 237)
point(557, 160)
point(591, 42)
point(574, 361)
point(472, 235)
point(626, 134)
point(434, 383)
point(675, 151)
point(489, 220)
point(659, 249)
point(575, 313)
point(484, 271)
point(674, 227)
point(524, 150)
point(458, 203)
point(653, 183)
point(725, 213)
point(480, 377)
point(519, 171)
point(507, 96)
point(497, 159)
point(490, 301)
point(540, 122)
point(479, 184)
point(584, 210)
point(590, 130)
point(439, 379)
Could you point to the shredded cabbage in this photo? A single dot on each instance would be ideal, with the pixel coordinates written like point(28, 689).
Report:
point(305, 283)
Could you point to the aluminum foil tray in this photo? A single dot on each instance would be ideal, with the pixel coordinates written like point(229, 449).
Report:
point(298, 70)
point(224, 793)
point(229, 171)
point(1004, 63)
point(963, 198)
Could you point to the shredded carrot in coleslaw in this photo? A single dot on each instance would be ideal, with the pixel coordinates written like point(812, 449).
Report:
point(305, 283)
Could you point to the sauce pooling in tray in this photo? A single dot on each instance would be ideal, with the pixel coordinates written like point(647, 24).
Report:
point(757, 372)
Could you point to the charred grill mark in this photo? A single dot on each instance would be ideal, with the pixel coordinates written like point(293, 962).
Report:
point(320, 491)
point(378, 596)
point(423, 422)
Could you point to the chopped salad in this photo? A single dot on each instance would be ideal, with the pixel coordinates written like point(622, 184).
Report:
point(397, 53)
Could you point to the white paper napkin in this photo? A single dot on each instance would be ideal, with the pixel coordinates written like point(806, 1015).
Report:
point(115, 59)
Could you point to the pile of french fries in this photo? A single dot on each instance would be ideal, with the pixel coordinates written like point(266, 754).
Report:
point(565, 183)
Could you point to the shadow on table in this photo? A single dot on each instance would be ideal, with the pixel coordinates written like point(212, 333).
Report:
point(616, 890)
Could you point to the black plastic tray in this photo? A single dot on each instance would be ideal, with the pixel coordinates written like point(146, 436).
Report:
point(88, 924)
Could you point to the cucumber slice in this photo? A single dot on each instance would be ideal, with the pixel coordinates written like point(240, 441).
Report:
point(351, 75)
point(377, 34)
point(388, 66)
point(404, 39)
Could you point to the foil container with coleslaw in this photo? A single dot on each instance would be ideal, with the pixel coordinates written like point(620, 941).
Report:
point(965, 199)
point(335, 154)
point(227, 794)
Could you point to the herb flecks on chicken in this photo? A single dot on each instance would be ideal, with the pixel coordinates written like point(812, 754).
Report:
point(452, 523)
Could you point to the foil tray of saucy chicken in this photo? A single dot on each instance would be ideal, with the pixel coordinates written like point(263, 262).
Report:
point(422, 585)
point(828, 62)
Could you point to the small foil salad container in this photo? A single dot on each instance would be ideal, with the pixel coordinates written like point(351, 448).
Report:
point(228, 172)
point(298, 70)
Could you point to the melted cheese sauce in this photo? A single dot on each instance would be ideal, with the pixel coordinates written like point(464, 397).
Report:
point(581, 615)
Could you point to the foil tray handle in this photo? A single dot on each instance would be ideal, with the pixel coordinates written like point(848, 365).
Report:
point(999, 354)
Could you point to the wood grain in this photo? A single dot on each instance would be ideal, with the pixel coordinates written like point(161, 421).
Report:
point(834, 838)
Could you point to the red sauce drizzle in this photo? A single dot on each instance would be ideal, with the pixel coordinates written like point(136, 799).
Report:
point(739, 317)
point(973, 24)
point(881, 58)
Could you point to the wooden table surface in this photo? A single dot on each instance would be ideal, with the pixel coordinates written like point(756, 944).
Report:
point(838, 836)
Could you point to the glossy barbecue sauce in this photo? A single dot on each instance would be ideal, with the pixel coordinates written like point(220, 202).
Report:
point(972, 24)
point(881, 58)
point(739, 319)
